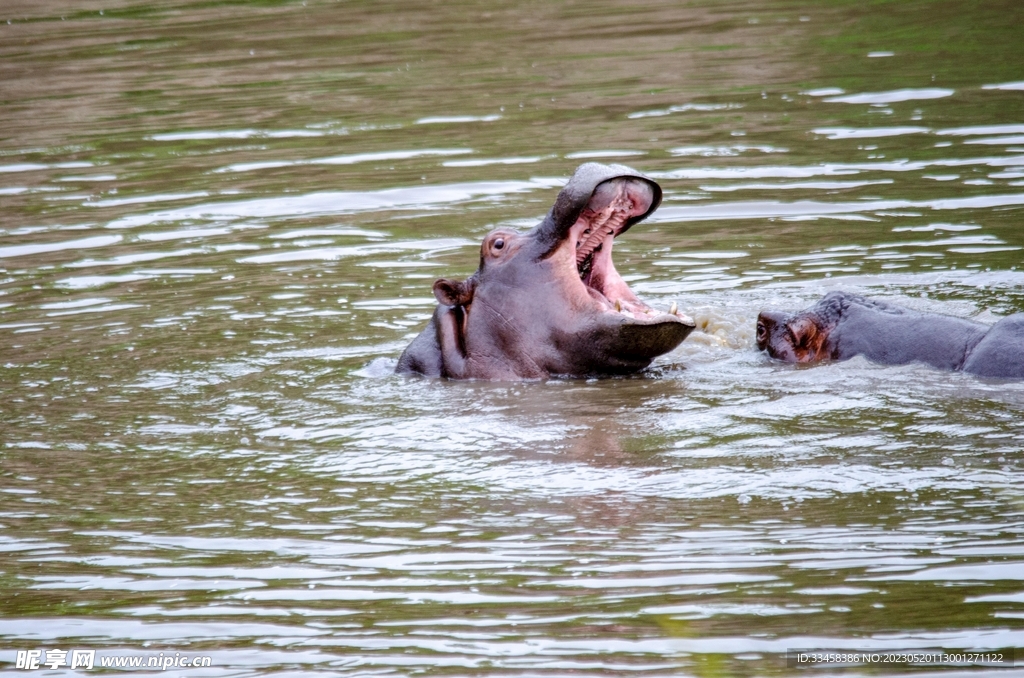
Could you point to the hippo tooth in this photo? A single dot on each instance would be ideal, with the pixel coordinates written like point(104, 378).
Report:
point(618, 306)
point(673, 308)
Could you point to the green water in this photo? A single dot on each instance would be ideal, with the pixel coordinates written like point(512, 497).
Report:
point(221, 222)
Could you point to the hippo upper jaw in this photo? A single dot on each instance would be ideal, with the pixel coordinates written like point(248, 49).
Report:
point(586, 249)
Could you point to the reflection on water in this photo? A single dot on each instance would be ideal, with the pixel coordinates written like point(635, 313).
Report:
point(221, 229)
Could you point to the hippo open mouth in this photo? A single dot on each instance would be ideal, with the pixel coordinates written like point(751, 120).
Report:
point(549, 301)
point(614, 206)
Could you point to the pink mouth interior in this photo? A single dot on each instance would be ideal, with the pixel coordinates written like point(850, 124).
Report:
point(611, 206)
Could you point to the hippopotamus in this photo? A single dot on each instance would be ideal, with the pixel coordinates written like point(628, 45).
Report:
point(548, 301)
point(842, 325)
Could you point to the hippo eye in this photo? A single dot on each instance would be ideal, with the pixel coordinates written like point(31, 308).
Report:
point(498, 243)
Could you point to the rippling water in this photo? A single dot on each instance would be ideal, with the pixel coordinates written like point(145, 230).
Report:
point(221, 224)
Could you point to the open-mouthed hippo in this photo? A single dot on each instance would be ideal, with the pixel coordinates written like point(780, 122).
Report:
point(549, 301)
point(841, 326)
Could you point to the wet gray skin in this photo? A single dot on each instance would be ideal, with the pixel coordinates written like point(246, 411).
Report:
point(549, 301)
point(841, 326)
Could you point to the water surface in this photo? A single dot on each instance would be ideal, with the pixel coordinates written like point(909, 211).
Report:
point(221, 225)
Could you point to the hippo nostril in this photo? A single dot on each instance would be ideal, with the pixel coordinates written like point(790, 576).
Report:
point(762, 331)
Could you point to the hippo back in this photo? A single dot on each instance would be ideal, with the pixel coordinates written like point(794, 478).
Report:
point(892, 335)
point(1001, 352)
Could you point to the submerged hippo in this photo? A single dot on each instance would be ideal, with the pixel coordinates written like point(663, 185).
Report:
point(842, 326)
point(549, 301)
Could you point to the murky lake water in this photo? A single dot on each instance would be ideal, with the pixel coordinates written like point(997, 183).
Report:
point(220, 226)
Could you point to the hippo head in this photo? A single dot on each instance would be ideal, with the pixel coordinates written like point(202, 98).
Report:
point(803, 337)
point(549, 301)
point(790, 338)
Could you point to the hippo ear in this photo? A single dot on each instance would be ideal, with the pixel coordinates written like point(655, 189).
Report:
point(454, 292)
point(807, 338)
